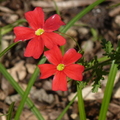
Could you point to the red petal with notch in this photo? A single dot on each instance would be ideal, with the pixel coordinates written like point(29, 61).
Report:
point(46, 70)
point(74, 71)
point(23, 33)
point(35, 18)
point(71, 56)
point(55, 38)
point(34, 48)
point(59, 82)
point(54, 55)
point(53, 23)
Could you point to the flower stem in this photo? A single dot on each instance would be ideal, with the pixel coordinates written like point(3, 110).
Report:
point(108, 91)
point(106, 62)
point(81, 107)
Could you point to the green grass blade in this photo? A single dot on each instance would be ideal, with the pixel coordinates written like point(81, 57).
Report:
point(56, 7)
point(20, 91)
point(8, 28)
point(108, 91)
point(8, 48)
point(66, 108)
point(81, 106)
point(0, 41)
point(4, 30)
point(27, 91)
point(80, 15)
point(10, 111)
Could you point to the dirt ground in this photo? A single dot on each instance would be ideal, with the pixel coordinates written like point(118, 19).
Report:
point(102, 22)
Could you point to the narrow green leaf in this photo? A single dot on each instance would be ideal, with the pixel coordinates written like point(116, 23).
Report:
point(10, 111)
point(66, 108)
point(108, 91)
point(8, 48)
point(10, 27)
point(56, 7)
point(27, 91)
point(94, 34)
point(81, 107)
point(20, 91)
point(80, 15)
point(0, 40)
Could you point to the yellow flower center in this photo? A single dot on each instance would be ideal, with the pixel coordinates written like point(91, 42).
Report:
point(39, 32)
point(60, 67)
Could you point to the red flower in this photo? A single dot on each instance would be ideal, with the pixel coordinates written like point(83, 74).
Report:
point(41, 33)
point(61, 67)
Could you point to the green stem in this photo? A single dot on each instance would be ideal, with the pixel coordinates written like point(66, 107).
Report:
point(20, 91)
point(108, 91)
point(6, 29)
point(56, 7)
point(80, 15)
point(27, 91)
point(10, 111)
point(8, 48)
point(0, 40)
point(66, 108)
point(107, 62)
point(81, 107)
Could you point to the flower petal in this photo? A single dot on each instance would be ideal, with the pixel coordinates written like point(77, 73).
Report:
point(53, 23)
point(71, 56)
point(35, 18)
point(74, 71)
point(59, 82)
point(53, 39)
point(46, 70)
point(54, 55)
point(34, 48)
point(47, 41)
point(23, 33)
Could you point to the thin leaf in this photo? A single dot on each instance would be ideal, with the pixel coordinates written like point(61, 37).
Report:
point(8, 48)
point(108, 91)
point(10, 111)
point(81, 107)
point(27, 91)
point(56, 7)
point(9, 27)
point(20, 91)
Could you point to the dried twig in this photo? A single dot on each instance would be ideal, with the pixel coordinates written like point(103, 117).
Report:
point(62, 4)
